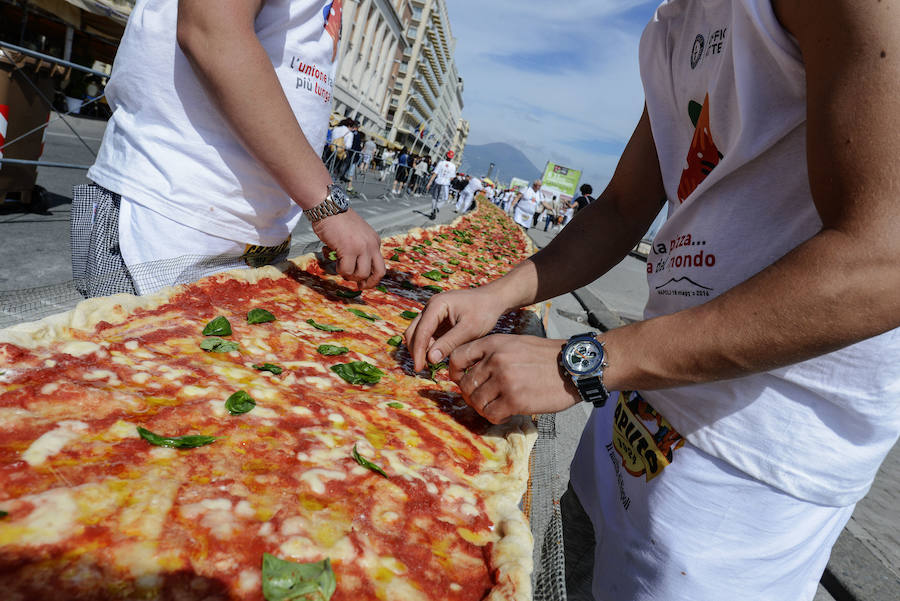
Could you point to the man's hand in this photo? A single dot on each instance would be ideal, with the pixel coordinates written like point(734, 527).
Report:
point(456, 317)
point(357, 245)
point(505, 375)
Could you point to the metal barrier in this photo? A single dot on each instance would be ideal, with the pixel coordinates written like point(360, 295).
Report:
point(9, 51)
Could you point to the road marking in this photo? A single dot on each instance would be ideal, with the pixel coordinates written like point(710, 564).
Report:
point(74, 137)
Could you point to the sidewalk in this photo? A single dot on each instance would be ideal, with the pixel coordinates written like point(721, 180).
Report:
point(865, 561)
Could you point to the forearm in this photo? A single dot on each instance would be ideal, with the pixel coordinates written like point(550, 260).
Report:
point(239, 78)
point(829, 292)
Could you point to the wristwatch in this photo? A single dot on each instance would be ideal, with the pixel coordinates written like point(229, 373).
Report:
point(584, 358)
point(335, 203)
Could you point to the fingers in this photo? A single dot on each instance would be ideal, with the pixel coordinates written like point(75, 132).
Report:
point(484, 396)
point(420, 333)
point(377, 272)
point(467, 355)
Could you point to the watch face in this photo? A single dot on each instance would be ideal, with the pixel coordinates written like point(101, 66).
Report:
point(583, 356)
point(339, 197)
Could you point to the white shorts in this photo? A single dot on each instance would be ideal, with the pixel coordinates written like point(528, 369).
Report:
point(684, 526)
point(161, 252)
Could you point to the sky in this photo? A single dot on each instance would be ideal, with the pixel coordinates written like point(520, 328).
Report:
point(560, 81)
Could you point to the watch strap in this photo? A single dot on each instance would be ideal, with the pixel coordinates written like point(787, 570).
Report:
point(592, 390)
point(324, 209)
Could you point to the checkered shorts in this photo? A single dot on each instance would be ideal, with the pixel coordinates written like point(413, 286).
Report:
point(97, 265)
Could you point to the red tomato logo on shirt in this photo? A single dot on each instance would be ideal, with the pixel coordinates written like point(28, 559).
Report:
point(332, 14)
point(703, 155)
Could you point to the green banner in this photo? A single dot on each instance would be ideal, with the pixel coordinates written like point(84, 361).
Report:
point(518, 184)
point(561, 179)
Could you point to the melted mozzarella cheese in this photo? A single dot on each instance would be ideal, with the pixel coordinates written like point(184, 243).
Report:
point(52, 442)
point(315, 478)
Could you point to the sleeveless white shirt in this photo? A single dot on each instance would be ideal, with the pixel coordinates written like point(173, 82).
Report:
point(726, 95)
point(168, 148)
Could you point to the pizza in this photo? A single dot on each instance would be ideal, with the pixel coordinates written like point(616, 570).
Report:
point(261, 434)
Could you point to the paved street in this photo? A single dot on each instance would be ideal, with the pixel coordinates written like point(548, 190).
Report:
point(34, 252)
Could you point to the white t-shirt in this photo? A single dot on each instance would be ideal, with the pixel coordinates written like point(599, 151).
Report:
point(369, 148)
point(342, 131)
point(472, 187)
point(167, 146)
point(739, 200)
point(527, 205)
point(444, 172)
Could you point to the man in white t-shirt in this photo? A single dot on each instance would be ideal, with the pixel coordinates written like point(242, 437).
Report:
point(466, 200)
point(439, 183)
point(526, 203)
point(219, 118)
point(752, 407)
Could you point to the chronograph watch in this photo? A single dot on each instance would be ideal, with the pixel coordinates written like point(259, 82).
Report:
point(584, 358)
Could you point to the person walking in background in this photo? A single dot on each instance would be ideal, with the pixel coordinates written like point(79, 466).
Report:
point(342, 146)
point(466, 199)
point(216, 147)
point(457, 185)
point(355, 158)
point(420, 173)
point(550, 211)
point(734, 429)
point(388, 163)
point(402, 174)
point(526, 203)
point(439, 183)
point(585, 199)
point(368, 152)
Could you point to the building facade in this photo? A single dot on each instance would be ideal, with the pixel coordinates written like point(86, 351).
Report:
point(426, 108)
point(373, 41)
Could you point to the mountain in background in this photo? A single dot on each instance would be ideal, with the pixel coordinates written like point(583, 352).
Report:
point(508, 162)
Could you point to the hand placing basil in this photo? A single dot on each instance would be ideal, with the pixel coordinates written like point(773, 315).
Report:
point(324, 326)
point(290, 581)
point(177, 442)
point(366, 463)
point(269, 367)
point(331, 350)
point(217, 327)
point(409, 314)
point(259, 316)
point(240, 402)
point(358, 372)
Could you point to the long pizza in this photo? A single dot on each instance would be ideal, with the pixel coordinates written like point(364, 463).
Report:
point(261, 434)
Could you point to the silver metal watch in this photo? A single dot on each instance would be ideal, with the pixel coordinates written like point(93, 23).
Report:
point(584, 358)
point(335, 202)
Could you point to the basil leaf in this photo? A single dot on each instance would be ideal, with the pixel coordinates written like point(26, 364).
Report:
point(324, 327)
point(407, 285)
point(434, 368)
point(364, 315)
point(409, 314)
point(217, 327)
point(467, 270)
point(395, 340)
point(331, 350)
point(380, 288)
point(395, 405)
point(270, 367)
point(395, 257)
point(239, 402)
point(348, 293)
point(177, 442)
point(3, 514)
point(332, 255)
point(465, 254)
point(291, 581)
point(447, 271)
point(434, 274)
point(358, 372)
point(433, 288)
point(219, 345)
point(420, 250)
point(366, 463)
point(453, 261)
point(427, 242)
point(259, 316)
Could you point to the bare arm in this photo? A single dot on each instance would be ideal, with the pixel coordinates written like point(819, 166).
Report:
point(219, 41)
